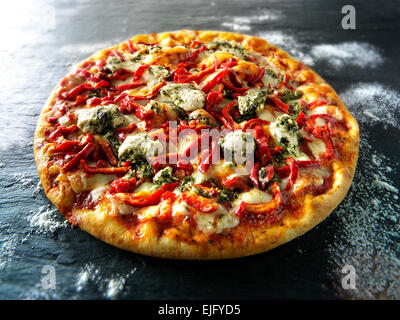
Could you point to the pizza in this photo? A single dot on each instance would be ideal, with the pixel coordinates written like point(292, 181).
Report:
point(195, 145)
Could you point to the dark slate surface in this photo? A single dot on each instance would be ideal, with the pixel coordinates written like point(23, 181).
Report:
point(41, 41)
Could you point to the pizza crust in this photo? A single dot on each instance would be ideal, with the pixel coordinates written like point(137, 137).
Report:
point(102, 225)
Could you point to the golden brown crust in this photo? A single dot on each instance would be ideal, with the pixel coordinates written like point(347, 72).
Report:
point(99, 223)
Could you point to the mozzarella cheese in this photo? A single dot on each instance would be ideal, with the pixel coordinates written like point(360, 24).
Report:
point(184, 96)
point(216, 222)
point(100, 119)
point(238, 146)
point(140, 145)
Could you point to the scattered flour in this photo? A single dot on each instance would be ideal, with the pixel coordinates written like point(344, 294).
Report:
point(46, 219)
point(368, 228)
point(341, 55)
point(373, 103)
point(338, 56)
point(245, 23)
point(111, 287)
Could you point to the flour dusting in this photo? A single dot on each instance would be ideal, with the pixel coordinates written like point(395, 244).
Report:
point(110, 287)
point(373, 103)
point(245, 23)
point(46, 219)
point(355, 54)
point(368, 229)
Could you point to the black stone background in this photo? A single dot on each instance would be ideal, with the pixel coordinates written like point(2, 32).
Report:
point(35, 54)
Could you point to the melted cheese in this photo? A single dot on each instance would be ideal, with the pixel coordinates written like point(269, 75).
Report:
point(216, 222)
point(254, 196)
point(317, 147)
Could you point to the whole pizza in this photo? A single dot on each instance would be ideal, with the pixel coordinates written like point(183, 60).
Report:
point(195, 145)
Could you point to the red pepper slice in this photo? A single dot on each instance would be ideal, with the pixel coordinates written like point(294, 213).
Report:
point(293, 172)
point(83, 154)
point(231, 62)
point(301, 119)
point(139, 72)
point(262, 145)
point(254, 174)
point(120, 74)
point(153, 93)
point(102, 84)
point(200, 203)
point(214, 81)
point(268, 208)
point(105, 146)
point(236, 183)
point(213, 98)
point(123, 185)
point(130, 86)
point(185, 166)
point(324, 133)
point(65, 146)
point(206, 162)
point(96, 170)
point(255, 78)
point(268, 177)
point(147, 199)
point(63, 131)
point(254, 122)
point(279, 103)
point(231, 124)
point(129, 129)
point(188, 77)
point(285, 83)
point(73, 93)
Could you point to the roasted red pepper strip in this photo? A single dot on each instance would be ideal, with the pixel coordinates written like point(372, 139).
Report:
point(226, 113)
point(96, 170)
point(251, 123)
point(268, 208)
point(231, 62)
point(200, 203)
point(279, 103)
point(262, 145)
point(147, 199)
point(254, 174)
point(188, 77)
point(315, 104)
point(285, 83)
point(185, 166)
point(73, 93)
point(105, 146)
point(65, 146)
point(214, 81)
point(129, 129)
point(83, 154)
point(130, 86)
point(257, 77)
point(301, 119)
point(324, 133)
point(293, 172)
point(139, 72)
point(267, 178)
point(153, 93)
point(213, 98)
point(123, 185)
point(236, 183)
point(63, 131)
point(102, 84)
point(206, 162)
